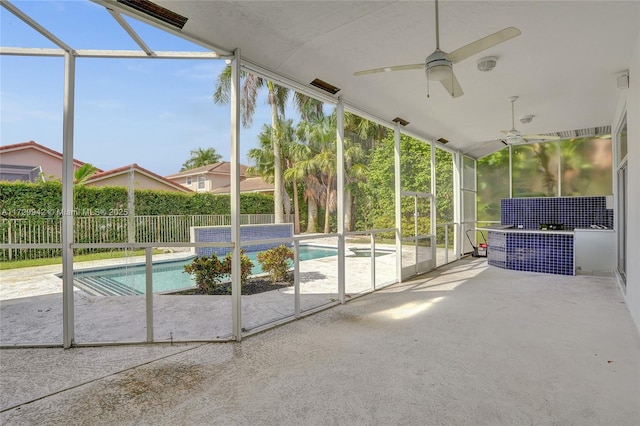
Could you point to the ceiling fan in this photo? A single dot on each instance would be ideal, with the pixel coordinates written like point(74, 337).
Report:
point(514, 137)
point(439, 65)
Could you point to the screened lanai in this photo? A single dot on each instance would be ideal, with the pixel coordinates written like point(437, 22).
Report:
point(418, 215)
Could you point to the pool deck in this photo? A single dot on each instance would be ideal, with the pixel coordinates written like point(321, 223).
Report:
point(31, 303)
point(467, 344)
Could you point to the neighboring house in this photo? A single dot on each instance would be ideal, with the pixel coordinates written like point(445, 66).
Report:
point(206, 178)
point(30, 161)
point(252, 184)
point(140, 177)
point(34, 155)
point(11, 173)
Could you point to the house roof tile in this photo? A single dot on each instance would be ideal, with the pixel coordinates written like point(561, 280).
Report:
point(33, 145)
point(252, 184)
point(222, 168)
point(124, 169)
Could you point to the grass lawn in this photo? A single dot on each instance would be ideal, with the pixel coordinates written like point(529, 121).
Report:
point(13, 264)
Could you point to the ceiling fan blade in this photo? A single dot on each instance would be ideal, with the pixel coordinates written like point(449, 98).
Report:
point(542, 137)
point(388, 69)
point(484, 43)
point(452, 86)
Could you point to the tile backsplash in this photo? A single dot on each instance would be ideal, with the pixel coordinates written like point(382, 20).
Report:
point(572, 212)
point(221, 234)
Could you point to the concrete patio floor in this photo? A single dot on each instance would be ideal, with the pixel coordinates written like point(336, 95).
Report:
point(467, 344)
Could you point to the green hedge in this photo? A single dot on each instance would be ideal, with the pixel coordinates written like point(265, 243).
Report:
point(19, 200)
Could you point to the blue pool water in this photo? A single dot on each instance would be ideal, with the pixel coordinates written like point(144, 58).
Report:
point(167, 275)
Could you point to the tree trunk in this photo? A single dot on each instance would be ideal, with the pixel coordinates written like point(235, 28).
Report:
point(296, 209)
point(348, 204)
point(327, 211)
point(312, 216)
point(277, 161)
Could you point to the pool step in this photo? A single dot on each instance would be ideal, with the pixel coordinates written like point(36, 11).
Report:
point(102, 286)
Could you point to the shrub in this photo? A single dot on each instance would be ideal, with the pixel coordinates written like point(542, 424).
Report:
point(210, 272)
point(245, 266)
point(275, 262)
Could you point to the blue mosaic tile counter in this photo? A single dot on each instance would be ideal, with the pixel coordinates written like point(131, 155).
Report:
point(531, 250)
point(519, 243)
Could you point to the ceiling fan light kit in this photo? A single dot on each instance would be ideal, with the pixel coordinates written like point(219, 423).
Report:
point(437, 67)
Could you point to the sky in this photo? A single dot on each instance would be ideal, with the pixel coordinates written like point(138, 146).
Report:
point(149, 112)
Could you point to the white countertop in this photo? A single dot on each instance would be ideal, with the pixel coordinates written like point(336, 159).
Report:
point(526, 231)
point(509, 230)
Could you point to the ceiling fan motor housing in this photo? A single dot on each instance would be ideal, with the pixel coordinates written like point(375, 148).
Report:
point(437, 66)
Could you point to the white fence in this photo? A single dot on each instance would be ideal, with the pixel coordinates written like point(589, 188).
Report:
point(108, 229)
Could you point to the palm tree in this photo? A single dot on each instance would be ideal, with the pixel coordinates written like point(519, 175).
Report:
point(303, 169)
point(201, 157)
point(355, 172)
point(277, 98)
point(320, 138)
point(361, 136)
point(83, 173)
point(364, 131)
point(264, 166)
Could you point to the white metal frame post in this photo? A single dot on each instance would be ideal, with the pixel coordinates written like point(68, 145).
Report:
point(236, 291)
point(511, 171)
point(398, 201)
point(457, 203)
point(433, 209)
point(340, 206)
point(68, 332)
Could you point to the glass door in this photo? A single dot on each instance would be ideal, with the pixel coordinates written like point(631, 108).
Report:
point(622, 193)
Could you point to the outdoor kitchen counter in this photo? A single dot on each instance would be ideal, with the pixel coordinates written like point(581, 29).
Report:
point(534, 250)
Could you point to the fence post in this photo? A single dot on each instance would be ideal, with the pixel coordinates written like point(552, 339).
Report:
point(10, 250)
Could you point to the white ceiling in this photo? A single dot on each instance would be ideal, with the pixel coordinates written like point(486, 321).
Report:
point(563, 66)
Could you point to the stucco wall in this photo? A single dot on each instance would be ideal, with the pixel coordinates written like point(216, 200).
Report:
point(51, 166)
point(140, 182)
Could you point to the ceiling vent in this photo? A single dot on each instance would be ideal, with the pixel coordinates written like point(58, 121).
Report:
point(601, 131)
point(325, 86)
point(400, 121)
point(442, 141)
point(156, 11)
point(487, 63)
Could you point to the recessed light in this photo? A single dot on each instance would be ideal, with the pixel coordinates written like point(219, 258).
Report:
point(156, 11)
point(325, 86)
point(400, 121)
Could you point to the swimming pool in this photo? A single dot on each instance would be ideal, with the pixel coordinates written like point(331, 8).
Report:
point(167, 275)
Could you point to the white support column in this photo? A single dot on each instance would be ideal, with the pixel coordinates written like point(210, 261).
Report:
point(398, 201)
point(68, 333)
point(433, 210)
point(340, 188)
point(236, 296)
point(510, 171)
point(559, 170)
point(131, 214)
point(149, 292)
point(457, 205)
